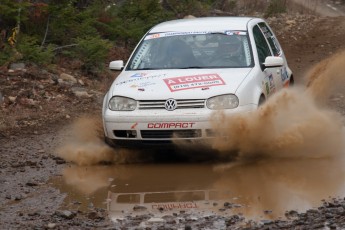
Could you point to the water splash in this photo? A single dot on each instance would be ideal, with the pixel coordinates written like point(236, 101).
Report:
point(292, 123)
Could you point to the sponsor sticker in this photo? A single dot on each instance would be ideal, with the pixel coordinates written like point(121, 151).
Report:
point(139, 75)
point(193, 81)
point(184, 205)
point(134, 125)
point(284, 74)
point(142, 84)
point(137, 79)
point(271, 83)
point(170, 125)
point(170, 34)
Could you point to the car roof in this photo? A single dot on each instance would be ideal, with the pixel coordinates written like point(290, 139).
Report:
point(204, 24)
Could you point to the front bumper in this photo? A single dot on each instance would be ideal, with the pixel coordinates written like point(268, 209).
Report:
point(163, 127)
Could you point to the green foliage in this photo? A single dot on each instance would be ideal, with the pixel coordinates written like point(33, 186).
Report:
point(11, 13)
point(226, 5)
point(131, 20)
point(67, 23)
point(84, 29)
point(92, 50)
point(31, 51)
point(6, 55)
point(275, 7)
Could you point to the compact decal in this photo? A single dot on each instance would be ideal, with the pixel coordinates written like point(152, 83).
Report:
point(184, 205)
point(170, 125)
point(193, 81)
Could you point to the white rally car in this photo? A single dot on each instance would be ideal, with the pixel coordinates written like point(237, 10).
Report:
point(182, 71)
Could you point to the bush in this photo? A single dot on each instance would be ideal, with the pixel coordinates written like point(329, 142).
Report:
point(6, 54)
point(275, 7)
point(92, 51)
point(31, 51)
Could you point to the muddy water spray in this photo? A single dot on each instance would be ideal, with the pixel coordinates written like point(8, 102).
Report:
point(292, 123)
point(84, 145)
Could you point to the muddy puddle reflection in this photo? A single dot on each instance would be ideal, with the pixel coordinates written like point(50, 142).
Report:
point(259, 189)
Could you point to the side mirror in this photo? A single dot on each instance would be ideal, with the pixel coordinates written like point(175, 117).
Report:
point(271, 62)
point(116, 65)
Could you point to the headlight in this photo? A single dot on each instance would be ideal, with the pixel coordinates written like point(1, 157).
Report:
point(228, 101)
point(122, 104)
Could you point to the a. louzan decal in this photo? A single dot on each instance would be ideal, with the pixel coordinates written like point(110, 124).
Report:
point(193, 81)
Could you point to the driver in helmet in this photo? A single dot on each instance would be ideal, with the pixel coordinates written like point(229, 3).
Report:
point(229, 51)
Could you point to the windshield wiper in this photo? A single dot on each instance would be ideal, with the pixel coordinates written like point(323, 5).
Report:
point(191, 67)
point(146, 69)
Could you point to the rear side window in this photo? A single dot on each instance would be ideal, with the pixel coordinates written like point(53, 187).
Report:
point(272, 40)
point(261, 44)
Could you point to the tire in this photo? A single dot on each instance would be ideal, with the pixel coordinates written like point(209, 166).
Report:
point(292, 81)
point(109, 142)
point(261, 100)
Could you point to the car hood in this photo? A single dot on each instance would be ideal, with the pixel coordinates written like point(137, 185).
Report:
point(178, 84)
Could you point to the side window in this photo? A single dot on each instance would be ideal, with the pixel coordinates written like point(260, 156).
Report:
point(272, 40)
point(261, 44)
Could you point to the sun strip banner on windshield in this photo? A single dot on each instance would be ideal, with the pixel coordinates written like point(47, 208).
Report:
point(170, 34)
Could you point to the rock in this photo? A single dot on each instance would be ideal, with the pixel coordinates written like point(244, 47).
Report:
point(291, 214)
point(65, 214)
point(80, 92)
point(18, 197)
point(12, 99)
point(60, 161)
point(155, 219)
point(32, 184)
point(68, 78)
point(51, 225)
point(1, 98)
point(17, 66)
point(139, 208)
point(94, 215)
point(81, 82)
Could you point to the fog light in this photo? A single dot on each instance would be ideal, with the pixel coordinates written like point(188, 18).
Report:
point(131, 133)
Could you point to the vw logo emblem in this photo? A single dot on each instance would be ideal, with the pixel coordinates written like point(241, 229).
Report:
point(170, 104)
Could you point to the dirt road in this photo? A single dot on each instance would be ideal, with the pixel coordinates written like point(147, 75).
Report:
point(326, 8)
point(40, 190)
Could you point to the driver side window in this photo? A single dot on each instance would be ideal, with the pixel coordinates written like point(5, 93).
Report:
point(261, 44)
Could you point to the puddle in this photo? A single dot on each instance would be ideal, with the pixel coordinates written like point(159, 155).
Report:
point(261, 189)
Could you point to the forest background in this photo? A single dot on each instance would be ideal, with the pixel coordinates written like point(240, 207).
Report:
point(85, 34)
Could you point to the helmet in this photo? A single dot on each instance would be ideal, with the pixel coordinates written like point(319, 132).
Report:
point(230, 44)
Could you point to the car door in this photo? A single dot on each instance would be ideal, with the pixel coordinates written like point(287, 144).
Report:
point(272, 79)
point(282, 75)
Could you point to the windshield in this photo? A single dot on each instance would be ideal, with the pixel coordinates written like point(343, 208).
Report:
point(183, 50)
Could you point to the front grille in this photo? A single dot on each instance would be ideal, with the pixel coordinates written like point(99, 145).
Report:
point(185, 133)
point(181, 104)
